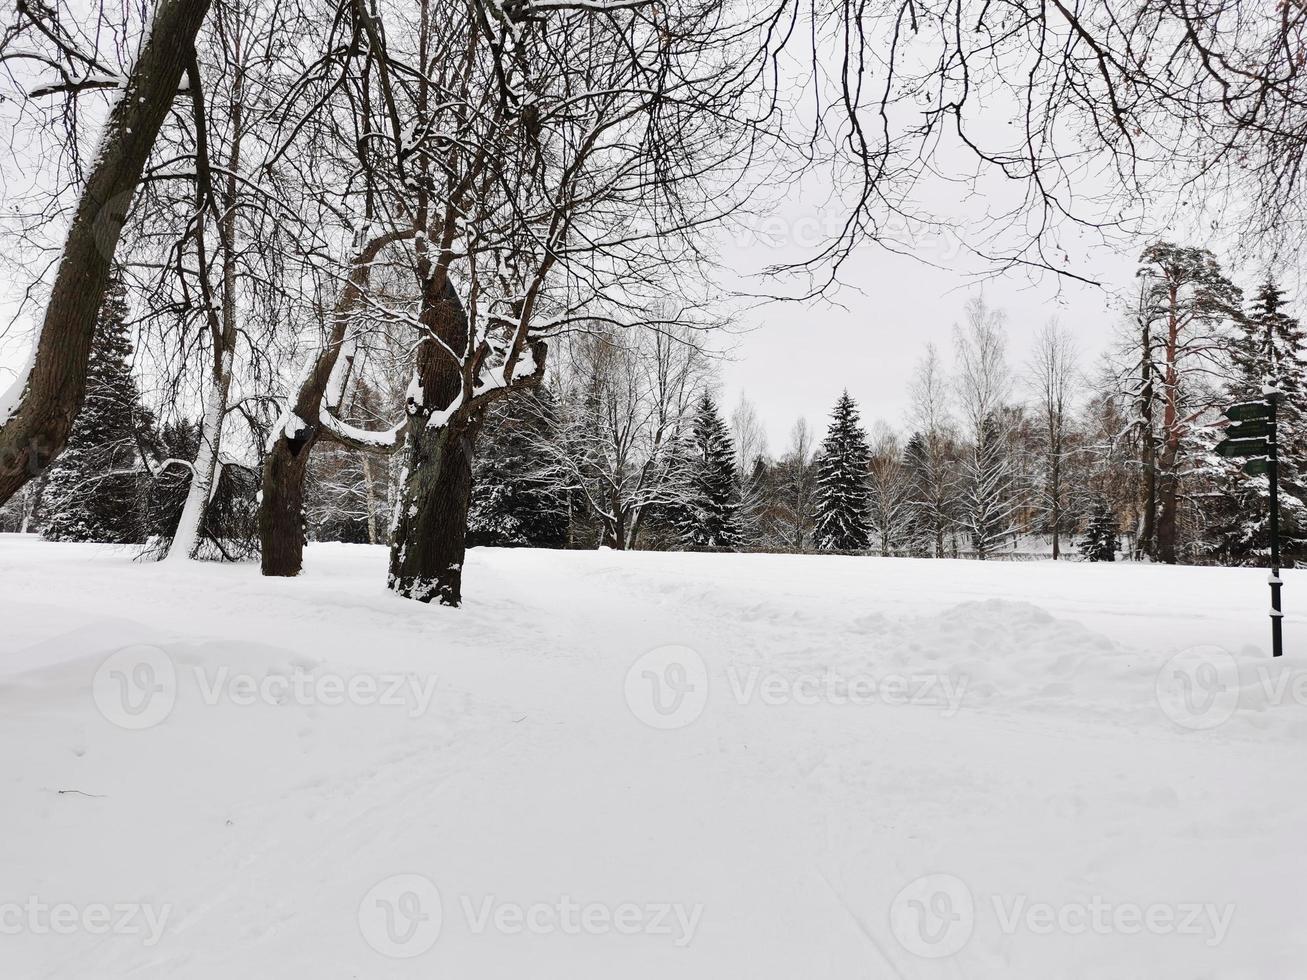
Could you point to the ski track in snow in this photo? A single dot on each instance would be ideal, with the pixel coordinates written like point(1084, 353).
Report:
point(1057, 779)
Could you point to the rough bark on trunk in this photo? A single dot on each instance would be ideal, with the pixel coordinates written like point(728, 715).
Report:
point(281, 511)
point(430, 535)
point(1148, 525)
point(429, 532)
point(49, 395)
point(1166, 519)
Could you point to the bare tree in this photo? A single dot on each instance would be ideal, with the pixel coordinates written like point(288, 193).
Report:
point(891, 510)
point(37, 413)
point(1052, 374)
point(628, 402)
point(932, 451)
point(750, 467)
point(790, 518)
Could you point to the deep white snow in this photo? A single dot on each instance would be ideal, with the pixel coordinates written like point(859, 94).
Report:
point(647, 765)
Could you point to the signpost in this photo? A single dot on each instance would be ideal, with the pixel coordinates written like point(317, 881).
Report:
point(1253, 435)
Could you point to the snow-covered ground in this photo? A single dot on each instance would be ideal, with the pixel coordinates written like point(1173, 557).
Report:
point(648, 765)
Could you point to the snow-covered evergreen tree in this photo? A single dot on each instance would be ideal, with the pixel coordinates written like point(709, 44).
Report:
point(510, 504)
point(1185, 308)
point(709, 511)
point(1100, 541)
point(95, 489)
point(1267, 348)
point(842, 493)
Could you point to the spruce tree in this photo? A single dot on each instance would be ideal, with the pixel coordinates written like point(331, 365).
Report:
point(166, 493)
point(709, 512)
point(1267, 349)
point(842, 493)
point(96, 487)
point(510, 504)
point(1100, 541)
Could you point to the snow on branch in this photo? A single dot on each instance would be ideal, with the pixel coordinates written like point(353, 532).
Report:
point(384, 440)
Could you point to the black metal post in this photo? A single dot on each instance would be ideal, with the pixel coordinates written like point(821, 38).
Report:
point(1277, 638)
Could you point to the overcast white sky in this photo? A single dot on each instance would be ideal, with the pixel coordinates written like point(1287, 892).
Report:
point(797, 358)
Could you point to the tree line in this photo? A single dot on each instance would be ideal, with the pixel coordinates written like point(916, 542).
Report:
point(1100, 457)
point(625, 446)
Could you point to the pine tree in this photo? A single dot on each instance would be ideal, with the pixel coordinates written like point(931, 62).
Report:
point(1267, 349)
point(1100, 541)
point(96, 487)
point(1185, 305)
point(842, 494)
point(510, 505)
point(709, 512)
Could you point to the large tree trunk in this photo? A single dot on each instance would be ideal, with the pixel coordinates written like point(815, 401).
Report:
point(429, 540)
point(281, 510)
point(48, 396)
point(1168, 491)
point(1147, 543)
point(1166, 520)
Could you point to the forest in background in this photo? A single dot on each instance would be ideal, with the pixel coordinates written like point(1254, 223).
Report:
point(624, 445)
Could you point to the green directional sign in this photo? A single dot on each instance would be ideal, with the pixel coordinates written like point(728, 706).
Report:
point(1247, 411)
point(1231, 448)
point(1253, 434)
point(1252, 429)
